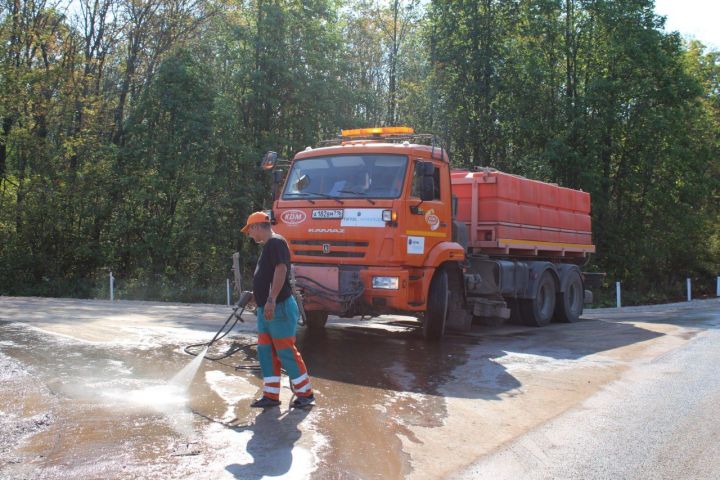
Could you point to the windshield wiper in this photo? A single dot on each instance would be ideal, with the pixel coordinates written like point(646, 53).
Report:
point(302, 194)
point(323, 195)
point(353, 192)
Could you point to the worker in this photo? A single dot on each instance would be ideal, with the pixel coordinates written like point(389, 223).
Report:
point(277, 316)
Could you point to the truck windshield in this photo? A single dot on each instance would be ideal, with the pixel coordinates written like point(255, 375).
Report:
point(346, 176)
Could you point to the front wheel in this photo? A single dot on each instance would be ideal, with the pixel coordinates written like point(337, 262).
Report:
point(437, 307)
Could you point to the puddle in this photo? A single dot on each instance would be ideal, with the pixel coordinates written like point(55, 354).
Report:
point(112, 409)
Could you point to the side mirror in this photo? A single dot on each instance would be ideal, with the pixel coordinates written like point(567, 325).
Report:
point(277, 182)
point(278, 176)
point(269, 160)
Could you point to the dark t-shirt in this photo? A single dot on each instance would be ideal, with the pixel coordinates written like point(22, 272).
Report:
point(274, 253)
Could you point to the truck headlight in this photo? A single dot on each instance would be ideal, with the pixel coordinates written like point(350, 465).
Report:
point(389, 216)
point(388, 283)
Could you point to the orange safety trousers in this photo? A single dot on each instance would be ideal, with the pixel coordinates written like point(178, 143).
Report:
point(276, 349)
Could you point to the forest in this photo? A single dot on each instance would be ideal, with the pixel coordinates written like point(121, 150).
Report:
point(131, 130)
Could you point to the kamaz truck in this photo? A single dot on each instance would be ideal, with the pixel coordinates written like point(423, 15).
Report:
point(378, 222)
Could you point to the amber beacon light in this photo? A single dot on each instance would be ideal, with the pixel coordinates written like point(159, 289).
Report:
point(377, 131)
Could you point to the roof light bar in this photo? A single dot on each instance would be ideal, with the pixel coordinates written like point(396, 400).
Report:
point(377, 131)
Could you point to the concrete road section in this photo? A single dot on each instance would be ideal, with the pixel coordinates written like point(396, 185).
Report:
point(93, 389)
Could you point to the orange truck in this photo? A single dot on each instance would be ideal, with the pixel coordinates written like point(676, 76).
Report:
point(378, 222)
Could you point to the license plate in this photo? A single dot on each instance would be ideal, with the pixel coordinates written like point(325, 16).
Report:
point(327, 214)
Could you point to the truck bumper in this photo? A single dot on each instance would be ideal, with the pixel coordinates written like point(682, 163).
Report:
point(349, 290)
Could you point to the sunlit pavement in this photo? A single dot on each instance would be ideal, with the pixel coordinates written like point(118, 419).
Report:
point(93, 389)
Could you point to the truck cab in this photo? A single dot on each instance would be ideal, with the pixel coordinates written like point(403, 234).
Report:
point(368, 221)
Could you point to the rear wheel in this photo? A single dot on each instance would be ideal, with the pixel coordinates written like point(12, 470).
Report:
point(316, 320)
point(538, 311)
point(570, 302)
point(437, 307)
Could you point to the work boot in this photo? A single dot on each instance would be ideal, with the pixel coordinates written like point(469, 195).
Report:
point(265, 402)
point(301, 402)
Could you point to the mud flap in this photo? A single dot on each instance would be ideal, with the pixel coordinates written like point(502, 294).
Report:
point(459, 318)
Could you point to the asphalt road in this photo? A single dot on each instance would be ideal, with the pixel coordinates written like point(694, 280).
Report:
point(89, 390)
point(661, 420)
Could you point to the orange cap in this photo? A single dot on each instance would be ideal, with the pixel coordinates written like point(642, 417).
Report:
point(255, 217)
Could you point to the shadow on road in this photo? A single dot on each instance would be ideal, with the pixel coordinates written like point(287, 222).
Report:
point(402, 361)
point(274, 434)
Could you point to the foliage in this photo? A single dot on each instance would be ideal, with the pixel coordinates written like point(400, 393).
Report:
point(130, 131)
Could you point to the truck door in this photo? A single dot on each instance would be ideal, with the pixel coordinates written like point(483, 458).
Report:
point(429, 221)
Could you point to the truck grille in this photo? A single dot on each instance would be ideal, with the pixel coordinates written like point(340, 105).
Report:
point(329, 248)
point(332, 243)
point(319, 253)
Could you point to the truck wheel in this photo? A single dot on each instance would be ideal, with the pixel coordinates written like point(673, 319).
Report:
point(437, 307)
point(538, 312)
point(570, 303)
point(316, 320)
point(459, 314)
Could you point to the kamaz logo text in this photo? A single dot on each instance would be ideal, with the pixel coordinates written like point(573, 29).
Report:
point(326, 230)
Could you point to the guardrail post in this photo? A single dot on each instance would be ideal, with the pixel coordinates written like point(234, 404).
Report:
point(617, 294)
point(717, 293)
point(227, 281)
point(112, 287)
point(689, 289)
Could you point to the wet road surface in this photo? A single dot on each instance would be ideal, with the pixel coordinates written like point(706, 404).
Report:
point(87, 392)
point(659, 421)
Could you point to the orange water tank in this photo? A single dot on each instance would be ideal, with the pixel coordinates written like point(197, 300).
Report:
point(513, 215)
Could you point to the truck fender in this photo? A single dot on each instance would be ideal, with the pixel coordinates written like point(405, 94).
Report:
point(444, 252)
point(536, 269)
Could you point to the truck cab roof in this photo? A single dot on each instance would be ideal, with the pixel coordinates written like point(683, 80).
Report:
point(374, 146)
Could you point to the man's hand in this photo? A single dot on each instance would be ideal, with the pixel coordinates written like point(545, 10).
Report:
point(269, 309)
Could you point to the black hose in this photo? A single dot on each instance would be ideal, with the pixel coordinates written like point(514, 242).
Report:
point(234, 347)
point(222, 333)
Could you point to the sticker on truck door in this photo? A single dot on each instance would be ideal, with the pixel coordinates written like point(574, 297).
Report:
point(416, 245)
point(432, 219)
